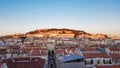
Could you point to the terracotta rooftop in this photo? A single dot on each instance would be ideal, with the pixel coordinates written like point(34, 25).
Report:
point(25, 63)
point(90, 49)
point(1, 63)
point(115, 55)
point(38, 53)
point(95, 55)
point(14, 47)
point(30, 48)
point(115, 49)
point(114, 66)
point(59, 51)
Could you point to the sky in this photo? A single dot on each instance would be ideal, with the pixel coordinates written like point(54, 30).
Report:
point(92, 16)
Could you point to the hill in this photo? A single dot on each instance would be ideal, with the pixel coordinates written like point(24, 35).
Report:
point(63, 32)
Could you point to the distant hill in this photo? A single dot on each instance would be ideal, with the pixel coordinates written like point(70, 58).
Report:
point(54, 30)
point(77, 33)
point(58, 32)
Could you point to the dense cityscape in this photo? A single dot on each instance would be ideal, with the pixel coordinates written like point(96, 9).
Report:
point(59, 33)
point(59, 48)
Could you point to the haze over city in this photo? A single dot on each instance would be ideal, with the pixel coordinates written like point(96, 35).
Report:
point(93, 16)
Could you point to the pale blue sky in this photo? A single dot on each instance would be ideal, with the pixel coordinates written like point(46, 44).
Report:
point(93, 16)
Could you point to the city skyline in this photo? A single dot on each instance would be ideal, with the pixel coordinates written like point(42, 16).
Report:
point(92, 16)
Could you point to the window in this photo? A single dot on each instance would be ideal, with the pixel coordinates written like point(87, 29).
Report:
point(119, 60)
point(88, 62)
point(106, 61)
point(115, 60)
point(110, 62)
point(98, 62)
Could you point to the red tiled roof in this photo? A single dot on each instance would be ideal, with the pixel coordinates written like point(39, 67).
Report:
point(36, 52)
point(31, 48)
point(95, 55)
point(58, 51)
point(34, 63)
point(14, 47)
point(90, 49)
point(3, 53)
point(115, 55)
point(1, 63)
point(115, 49)
point(45, 49)
point(114, 66)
